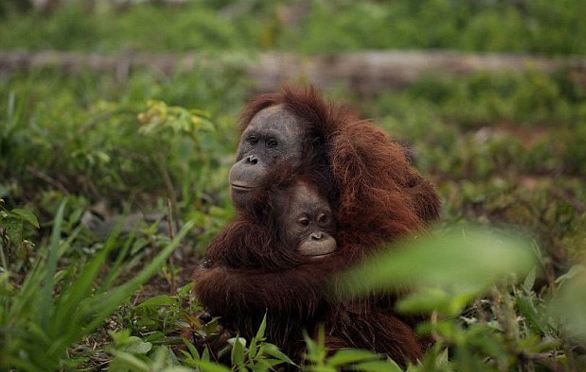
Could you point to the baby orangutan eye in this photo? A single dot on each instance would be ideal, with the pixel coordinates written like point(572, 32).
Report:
point(323, 219)
point(303, 221)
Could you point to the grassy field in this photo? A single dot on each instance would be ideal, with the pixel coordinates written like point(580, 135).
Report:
point(82, 286)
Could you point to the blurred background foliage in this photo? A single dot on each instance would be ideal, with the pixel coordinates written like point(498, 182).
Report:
point(309, 26)
point(137, 159)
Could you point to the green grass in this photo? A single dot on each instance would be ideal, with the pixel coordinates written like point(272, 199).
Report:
point(503, 149)
point(311, 26)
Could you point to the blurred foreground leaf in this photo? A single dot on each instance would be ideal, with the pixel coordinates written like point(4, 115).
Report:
point(569, 305)
point(445, 270)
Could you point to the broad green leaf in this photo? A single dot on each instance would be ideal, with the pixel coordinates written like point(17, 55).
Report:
point(348, 356)
point(237, 354)
point(138, 346)
point(430, 299)
point(462, 264)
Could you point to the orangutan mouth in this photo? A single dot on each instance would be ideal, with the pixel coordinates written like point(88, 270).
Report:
point(238, 187)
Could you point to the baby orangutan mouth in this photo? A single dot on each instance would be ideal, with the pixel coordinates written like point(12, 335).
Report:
point(318, 246)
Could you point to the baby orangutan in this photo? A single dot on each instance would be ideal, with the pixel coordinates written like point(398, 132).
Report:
point(305, 221)
point(293, 226)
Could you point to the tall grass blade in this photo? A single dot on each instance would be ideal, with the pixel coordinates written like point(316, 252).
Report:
point(45, 304)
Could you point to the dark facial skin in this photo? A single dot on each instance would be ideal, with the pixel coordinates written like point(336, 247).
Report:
point(273, 137)
point(306, 221)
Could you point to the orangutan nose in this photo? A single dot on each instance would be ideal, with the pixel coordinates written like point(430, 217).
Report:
point(251, 159)
point(317, 236)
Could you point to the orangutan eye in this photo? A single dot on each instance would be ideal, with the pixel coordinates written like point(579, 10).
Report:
point(303, 221)
point(271, 142)
point(323, 219)
point(252, 140)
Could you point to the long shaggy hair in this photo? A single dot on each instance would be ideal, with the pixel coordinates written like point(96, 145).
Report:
point(377, 197)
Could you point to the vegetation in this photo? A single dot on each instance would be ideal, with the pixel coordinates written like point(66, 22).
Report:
point(311, 26)
point(111, 189)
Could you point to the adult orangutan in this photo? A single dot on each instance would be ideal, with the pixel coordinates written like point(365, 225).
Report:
point(296, 150)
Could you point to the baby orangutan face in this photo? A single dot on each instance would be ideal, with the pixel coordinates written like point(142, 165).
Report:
point(306, 221)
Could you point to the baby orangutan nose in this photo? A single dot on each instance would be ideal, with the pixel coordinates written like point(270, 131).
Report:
point(317, 236)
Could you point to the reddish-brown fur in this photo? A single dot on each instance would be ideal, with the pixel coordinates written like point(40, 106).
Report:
point(377, 197)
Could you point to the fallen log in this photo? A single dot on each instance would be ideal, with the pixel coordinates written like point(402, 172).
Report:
point(364, 72)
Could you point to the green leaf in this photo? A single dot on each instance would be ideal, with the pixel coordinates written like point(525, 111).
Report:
point(14, 228)
point(207, 366)
point(275, 352)
point(348, 356)
point(128, 360)
point(26, 216)
point(260, 333)
point(138, 346)
point(377, 366)
point(191, 348)
point(177, 369)
point(529, 280)
point(572, 273)
point(462, 263)
point(183, 291)
point(430, 299)
point(46, 292)
point(266, 364)
point(237, 355)
point(316, 351)
point(467, 361)
point(205, 355)
point(252, 349)
point(568, 306)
